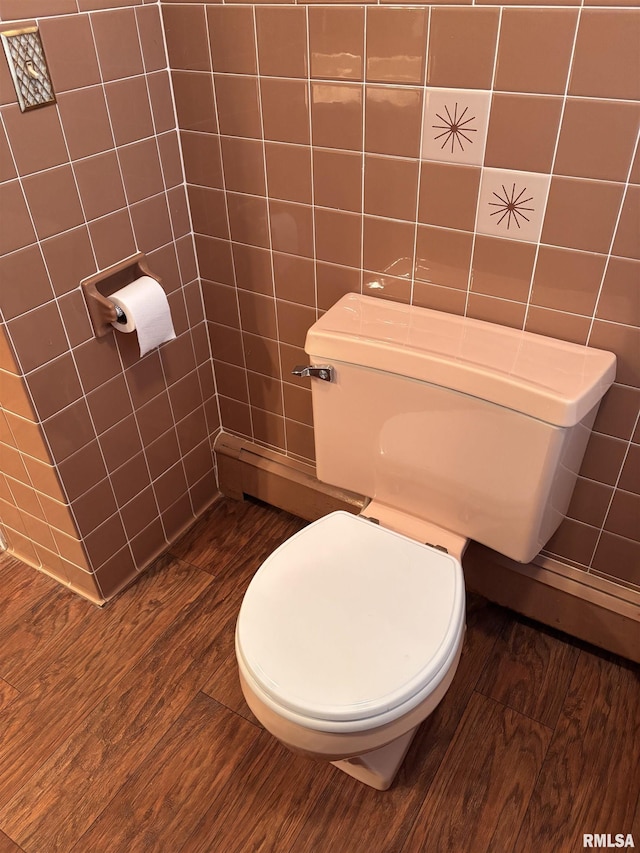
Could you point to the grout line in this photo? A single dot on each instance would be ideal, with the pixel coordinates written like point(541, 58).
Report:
point(270, 246)
point(311, 171)
point(363, 89)
point(482, 166)
point(425, 87)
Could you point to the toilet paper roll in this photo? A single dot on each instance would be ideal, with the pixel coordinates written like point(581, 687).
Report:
point(147, 310)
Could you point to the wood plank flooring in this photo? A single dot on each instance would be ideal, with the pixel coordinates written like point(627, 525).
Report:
point(124, 729)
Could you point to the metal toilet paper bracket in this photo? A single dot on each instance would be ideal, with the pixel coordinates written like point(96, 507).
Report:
point(98, 288)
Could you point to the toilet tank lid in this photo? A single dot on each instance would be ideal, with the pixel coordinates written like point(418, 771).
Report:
point(555, 381)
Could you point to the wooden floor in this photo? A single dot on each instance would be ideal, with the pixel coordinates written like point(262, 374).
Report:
point(124, 729)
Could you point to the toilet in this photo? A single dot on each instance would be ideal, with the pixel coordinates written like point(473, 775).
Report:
point(350, 632)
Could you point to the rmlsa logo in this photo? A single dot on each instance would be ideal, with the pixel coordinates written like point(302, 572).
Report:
point(607, 840)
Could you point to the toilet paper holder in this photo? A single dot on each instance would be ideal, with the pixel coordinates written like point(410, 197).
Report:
point(98, 288)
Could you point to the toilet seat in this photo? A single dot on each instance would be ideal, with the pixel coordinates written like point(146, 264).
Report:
point(347, 626)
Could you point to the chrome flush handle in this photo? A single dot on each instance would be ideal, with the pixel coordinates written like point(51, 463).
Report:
point(324, 371)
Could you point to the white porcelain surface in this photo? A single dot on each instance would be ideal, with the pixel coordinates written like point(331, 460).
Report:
point(466, 424)
point(552, 380)
point(512, 204)
point(348, 621)
point(455, 125)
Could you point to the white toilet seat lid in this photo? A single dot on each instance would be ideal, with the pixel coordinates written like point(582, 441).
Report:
point(348, 620)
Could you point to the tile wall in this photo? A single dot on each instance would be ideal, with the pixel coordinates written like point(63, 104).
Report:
point(477, 159)
point(472, 158)
point(104, 456)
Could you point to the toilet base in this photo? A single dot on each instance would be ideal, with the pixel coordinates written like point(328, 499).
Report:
point(378, 768)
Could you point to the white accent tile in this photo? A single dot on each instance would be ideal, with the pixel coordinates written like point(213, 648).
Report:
point(512, 204)
point(455, 125)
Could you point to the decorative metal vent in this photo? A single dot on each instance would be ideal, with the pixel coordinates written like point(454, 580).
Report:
point(28, 67)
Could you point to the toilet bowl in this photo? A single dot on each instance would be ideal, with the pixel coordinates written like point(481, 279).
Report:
point(348, 637)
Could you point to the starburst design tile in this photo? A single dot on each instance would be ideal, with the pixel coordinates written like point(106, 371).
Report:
point(455, 125)
point(512, 204)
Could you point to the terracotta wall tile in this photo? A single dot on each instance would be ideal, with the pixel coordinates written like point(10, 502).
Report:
point(285, 110)
point(567, 280)
point(291, 228)
point(624, 341)
point(502, 268)
point(336, 115)
point(69, 258)
point(630, 475)
point(334, 282)
point(85, 121)
point(526, 36)
point(338, 237)
point(100, 184)
point(16, 229)
point(337, 179)
point(522, 132)
point(232, 40)
point(282, 41)
point(294, 278)
point(159, 85)
point(112, 238)
point(494, 310)
point(202, 161)
point(597, 139)
point(617, 557)
point(396, 45)
point(71, 53)
point(55, 183)
point(141, 171)
point(253, 272)
point(16, 270)
point(581, 214)
point(289, 172)
point(7, 166)
point(443, 256)
point(393, 121)
point(462, 47)
point(558, 324)
point(626, 241)
point(26, 131)
point(606, 63)
point(151, 37)
point(248, 219)
point(151, 223)
point(244, 165)
point(448, 195)
point(336, 42)
point(619, 299)
point(12, 9)
point(38, 336)
point(390, 187)
point(388, 246)
point(129, 110)
point(622, 518)
point(186, 33)
point(208, 212)
point(117, 44)
point(238, 106)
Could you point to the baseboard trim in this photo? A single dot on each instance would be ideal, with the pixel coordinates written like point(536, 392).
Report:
point(605, 614)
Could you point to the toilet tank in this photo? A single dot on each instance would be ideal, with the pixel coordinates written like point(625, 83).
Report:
point(474, 427)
